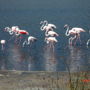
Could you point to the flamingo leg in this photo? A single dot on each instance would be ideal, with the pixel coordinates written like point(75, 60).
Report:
point(88, 42)
point(50, 45)
point(2, 47)
point(19, 41)
point(16, 39)
point(79, 39)
point(53, 46)
point(11, 37)
point(73, 39)
point(30, 42)
point(70, 41)
point(76, 40)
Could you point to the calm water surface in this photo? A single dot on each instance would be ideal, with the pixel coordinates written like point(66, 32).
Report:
point(39, 57)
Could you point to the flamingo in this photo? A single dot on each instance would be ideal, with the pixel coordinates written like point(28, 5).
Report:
point(51, 33)
point(47, 27)
point(19, 33)
point(12, 30)
point(29, 41)
point(16, 32)
point(51, 41)
point(3, 43)
point(74, 31)
point(7, 29)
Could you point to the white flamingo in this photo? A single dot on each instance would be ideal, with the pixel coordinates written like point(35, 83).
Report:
point(3, 43)
point(47, 27)
point(51, 33)
point(29, 41)
point(74, 31)
point(51, 41)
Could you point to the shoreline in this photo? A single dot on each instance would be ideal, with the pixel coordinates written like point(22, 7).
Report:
point(41, 80)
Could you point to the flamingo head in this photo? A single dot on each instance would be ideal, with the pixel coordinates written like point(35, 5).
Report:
point(45, 39)
point(41, 22)
point(6, 28)
point(66, 25)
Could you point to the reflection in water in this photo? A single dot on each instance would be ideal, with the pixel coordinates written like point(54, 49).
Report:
point(75, 60)
point(2, 64)
point(18, 59)
point(15, 57)
point(49, 59)
point(3, 60)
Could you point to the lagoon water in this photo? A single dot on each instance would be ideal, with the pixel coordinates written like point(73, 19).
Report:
point(27, 14)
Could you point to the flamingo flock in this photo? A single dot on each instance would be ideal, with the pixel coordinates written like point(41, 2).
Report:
point(50, 34)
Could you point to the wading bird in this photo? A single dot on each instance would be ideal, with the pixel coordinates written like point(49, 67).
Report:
point(46, 26)
point(3, 43)
point(74, 31)
point(29, 41)
point(16, 32)
point(19, 33)
point(51, 41)
point(12, 30)
point(51, 33)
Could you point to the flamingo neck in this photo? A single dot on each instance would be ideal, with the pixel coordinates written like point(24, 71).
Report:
point(46, 23)
point(46, 33)
point(42, 27)
point(67, 31)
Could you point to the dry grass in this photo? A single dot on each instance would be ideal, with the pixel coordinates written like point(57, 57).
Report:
point(17, 80)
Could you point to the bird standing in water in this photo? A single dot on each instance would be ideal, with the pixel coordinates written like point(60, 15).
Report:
point(29, 41)
point(74, 31)
point(51, 41)
point(46, 26)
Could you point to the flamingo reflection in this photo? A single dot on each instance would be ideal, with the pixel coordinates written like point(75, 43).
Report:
point(76, 59)
point(20, 60)
point(50, 59)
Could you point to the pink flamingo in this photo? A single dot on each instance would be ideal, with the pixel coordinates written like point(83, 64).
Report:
point(74, 31)
point(21, 32)
point(51, 41)
point(16, 32)
point(51, 33)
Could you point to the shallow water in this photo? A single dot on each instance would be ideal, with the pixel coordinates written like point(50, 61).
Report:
point(39, 57)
